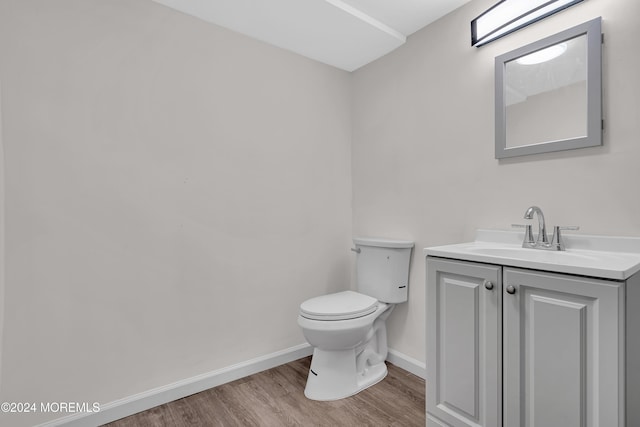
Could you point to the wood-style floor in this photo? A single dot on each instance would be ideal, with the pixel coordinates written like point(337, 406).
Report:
point(276, 398)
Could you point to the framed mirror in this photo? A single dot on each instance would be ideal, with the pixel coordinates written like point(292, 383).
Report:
point(549, 93)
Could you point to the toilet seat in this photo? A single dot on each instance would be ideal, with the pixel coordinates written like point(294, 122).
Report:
point(338, 306)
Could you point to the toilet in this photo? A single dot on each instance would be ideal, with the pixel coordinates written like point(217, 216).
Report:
point(348, 329)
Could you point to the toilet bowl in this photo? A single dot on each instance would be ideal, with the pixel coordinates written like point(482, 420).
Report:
point(348, 329)
point(348, 353)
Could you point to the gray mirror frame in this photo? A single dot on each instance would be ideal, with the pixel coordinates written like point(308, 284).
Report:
point(593, 31)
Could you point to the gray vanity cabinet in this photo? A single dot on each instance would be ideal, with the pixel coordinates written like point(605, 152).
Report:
point(463, 341)
point(562, 350)
point(524, 348)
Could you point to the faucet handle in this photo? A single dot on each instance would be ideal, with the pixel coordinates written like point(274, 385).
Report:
point(556, 241)
point(528, 235)
point(567, 227)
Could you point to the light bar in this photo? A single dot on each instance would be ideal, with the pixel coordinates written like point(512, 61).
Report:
point(508, 16)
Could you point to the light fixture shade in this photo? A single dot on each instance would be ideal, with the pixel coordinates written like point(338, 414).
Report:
point(508, 16)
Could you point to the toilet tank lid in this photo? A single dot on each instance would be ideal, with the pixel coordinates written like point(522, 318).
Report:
point(383, 243)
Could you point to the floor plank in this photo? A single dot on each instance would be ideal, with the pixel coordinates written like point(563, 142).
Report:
point(275, 398)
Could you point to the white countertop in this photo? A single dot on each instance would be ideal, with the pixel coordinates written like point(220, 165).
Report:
point(606, 257)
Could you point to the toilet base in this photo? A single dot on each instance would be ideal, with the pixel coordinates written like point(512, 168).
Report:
point(334, 375)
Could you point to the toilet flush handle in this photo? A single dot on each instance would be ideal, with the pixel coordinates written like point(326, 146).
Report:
point(356, 250)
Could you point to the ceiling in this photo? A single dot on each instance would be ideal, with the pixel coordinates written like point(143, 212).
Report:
point(346, 34)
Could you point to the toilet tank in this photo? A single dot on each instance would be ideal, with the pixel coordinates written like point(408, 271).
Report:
point(382, 268)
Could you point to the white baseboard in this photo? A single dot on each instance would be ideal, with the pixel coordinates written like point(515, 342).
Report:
point(407, 363)
point(158, 396)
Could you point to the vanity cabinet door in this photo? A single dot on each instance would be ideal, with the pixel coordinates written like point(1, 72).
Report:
point(562, 348)
point(463, 344)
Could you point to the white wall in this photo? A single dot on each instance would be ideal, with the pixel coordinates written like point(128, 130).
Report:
point(2, 236)
point(423, 146)
point(173, 192)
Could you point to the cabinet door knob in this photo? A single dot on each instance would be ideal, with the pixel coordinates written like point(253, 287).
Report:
point(511, 290)
point(488, 285)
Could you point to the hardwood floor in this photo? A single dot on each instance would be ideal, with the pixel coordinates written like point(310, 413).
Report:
point(275, 398)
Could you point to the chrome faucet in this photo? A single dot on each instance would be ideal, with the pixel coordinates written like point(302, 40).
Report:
point(542, 240)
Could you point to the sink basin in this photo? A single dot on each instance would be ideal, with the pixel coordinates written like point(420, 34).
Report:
point(597, 256)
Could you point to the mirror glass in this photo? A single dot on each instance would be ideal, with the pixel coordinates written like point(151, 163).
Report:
point(548, 94)
point(550, 87)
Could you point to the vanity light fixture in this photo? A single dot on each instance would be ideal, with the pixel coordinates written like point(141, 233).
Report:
point(508, 16)
point(543, 55)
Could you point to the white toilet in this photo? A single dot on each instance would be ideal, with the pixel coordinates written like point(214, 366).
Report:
point(348, 329)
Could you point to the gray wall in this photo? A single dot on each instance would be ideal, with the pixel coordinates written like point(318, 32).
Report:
point(173, 192)
point(423, 146)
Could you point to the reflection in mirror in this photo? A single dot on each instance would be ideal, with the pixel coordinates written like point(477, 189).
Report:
point(547, 87)
point(548, 94)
